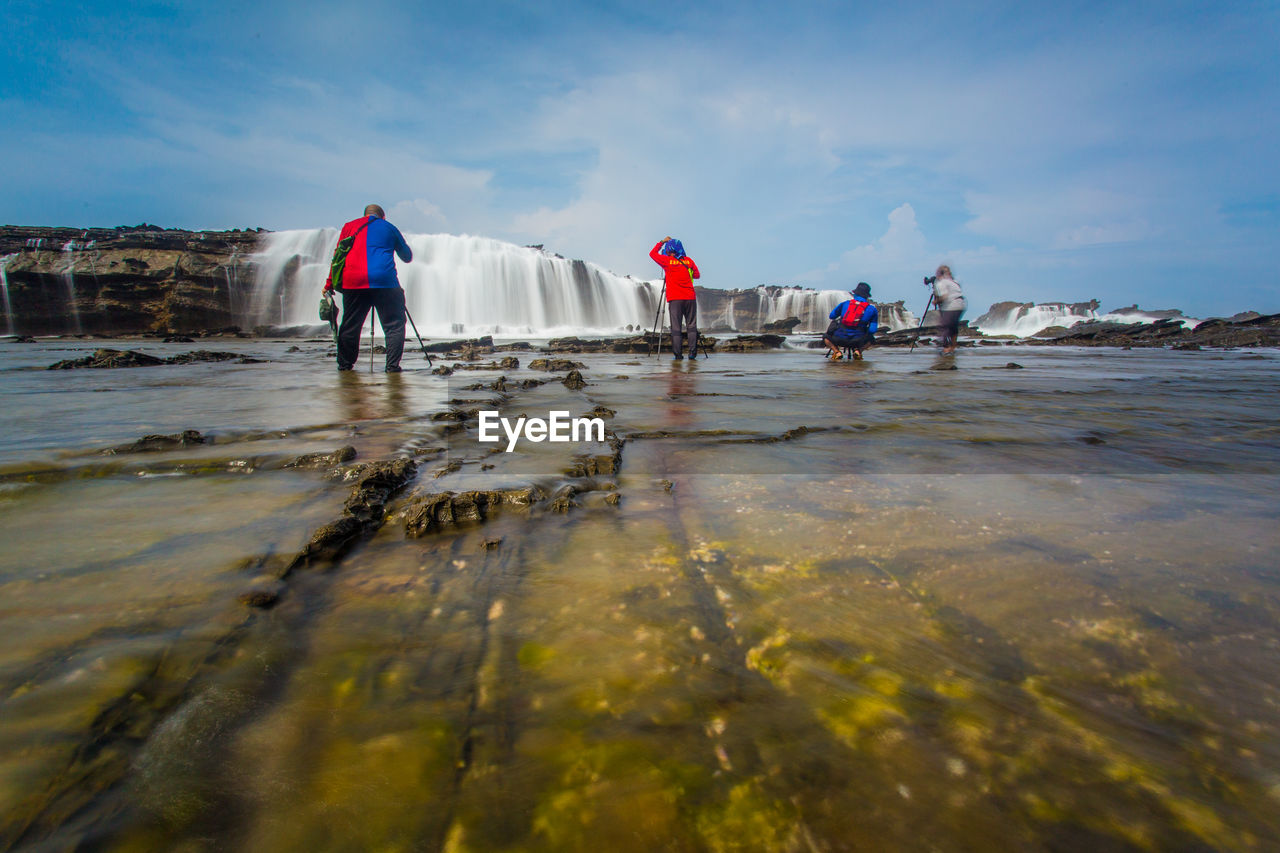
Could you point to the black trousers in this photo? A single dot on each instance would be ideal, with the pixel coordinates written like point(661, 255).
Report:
point(949, 323)
point(389, 303)
point(685, 310)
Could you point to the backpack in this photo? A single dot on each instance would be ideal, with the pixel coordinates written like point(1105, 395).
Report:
point(852, 317)
point(339, 262)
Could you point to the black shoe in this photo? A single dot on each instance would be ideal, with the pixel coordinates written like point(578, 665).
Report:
point(396, 369)
point(692, 356)
point(677, 357)
point(342, 367)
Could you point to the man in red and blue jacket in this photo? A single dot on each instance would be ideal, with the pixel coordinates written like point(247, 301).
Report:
point(369, 280)
point(853, 324)
point(679, 271)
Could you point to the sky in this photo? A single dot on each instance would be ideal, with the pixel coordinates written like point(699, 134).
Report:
point(1048, 152)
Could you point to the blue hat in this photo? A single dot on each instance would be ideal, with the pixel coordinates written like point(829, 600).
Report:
point(863, 289)
point(674, 248)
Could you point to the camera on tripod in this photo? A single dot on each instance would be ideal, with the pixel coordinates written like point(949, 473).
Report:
point(929, 280)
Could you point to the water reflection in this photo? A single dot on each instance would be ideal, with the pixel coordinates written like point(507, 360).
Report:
point(991, 635)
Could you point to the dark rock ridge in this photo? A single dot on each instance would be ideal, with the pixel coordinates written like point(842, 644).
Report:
point(126, 280)
point(113, 358)
point(1259, 331)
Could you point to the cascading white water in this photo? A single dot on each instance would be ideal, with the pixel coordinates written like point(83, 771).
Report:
point(1025, 320)
point(4, 291)
point(728, 318)
point(895, 318)
point(69, 279)
point(460, 285)
point(813, 307)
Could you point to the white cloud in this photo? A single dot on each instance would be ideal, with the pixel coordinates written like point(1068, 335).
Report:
point(900, 251)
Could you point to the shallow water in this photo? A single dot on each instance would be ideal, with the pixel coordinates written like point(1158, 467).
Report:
point(961, 609)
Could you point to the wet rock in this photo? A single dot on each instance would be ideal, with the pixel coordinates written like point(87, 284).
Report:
point(1261, 330)
point(449, 468)
point(433, 512)
point(442, 370)
point(667, 485)
point(508, 363)
point(1188, 347)
point(363, 513)
point(601, 412)
point(554, 364)
point(781, 327)
point(485, 343)
point(329, 542)
point(563, 500)
point(752, 343)
point(612, 499)
point(377, 482)
point(264, 592)
point(1013, 365)
point(179, 339)
point(156, 443)
point(109, 358)
point(323, 460)
point(492, 544)
point(210, 355)
point(22, 339)
point(574, 381)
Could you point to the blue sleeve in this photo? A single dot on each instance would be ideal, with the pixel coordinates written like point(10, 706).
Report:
point(838, 310)
point(875, 315)
point(402, 248)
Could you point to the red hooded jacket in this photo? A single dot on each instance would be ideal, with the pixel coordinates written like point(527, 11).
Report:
point(679, 272)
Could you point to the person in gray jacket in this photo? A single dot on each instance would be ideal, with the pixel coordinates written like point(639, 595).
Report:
point(951, 305)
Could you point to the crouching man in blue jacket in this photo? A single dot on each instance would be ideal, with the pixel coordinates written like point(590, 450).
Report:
point(853, 324)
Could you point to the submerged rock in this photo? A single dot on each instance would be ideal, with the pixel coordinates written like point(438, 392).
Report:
point(554, 364)
point(752, 343)
point(438, 510)
point(112, 358)
point(364, 511)
point(781, 327)
point(153, 443)
point(323, 460)
point(574, 381)
point(109, 358)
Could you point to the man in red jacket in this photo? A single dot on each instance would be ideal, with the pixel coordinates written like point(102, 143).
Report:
point(682, 303)
point(369, 280)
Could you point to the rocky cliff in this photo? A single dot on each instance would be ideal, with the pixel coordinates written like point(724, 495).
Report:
point(123, 280)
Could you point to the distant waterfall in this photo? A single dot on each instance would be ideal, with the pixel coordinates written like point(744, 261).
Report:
point(459, 285)
point(811, 306)
point(4, 291)
point(69, 281)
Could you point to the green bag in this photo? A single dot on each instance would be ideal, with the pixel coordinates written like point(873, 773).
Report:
point(328, 311)
point(339, 262)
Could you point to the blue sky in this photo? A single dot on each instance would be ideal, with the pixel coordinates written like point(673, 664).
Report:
point(1125, 152)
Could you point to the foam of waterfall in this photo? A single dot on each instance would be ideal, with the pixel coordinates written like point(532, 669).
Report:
point(813, 307)
point(1023, 321)
point(4, 292)
point(460, 285)
point(69, 279)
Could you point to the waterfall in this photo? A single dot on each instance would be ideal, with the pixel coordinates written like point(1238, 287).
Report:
point(459, 285)
point(4, 291)
point(813, 307)
point(69, 279)
point(728, 319)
